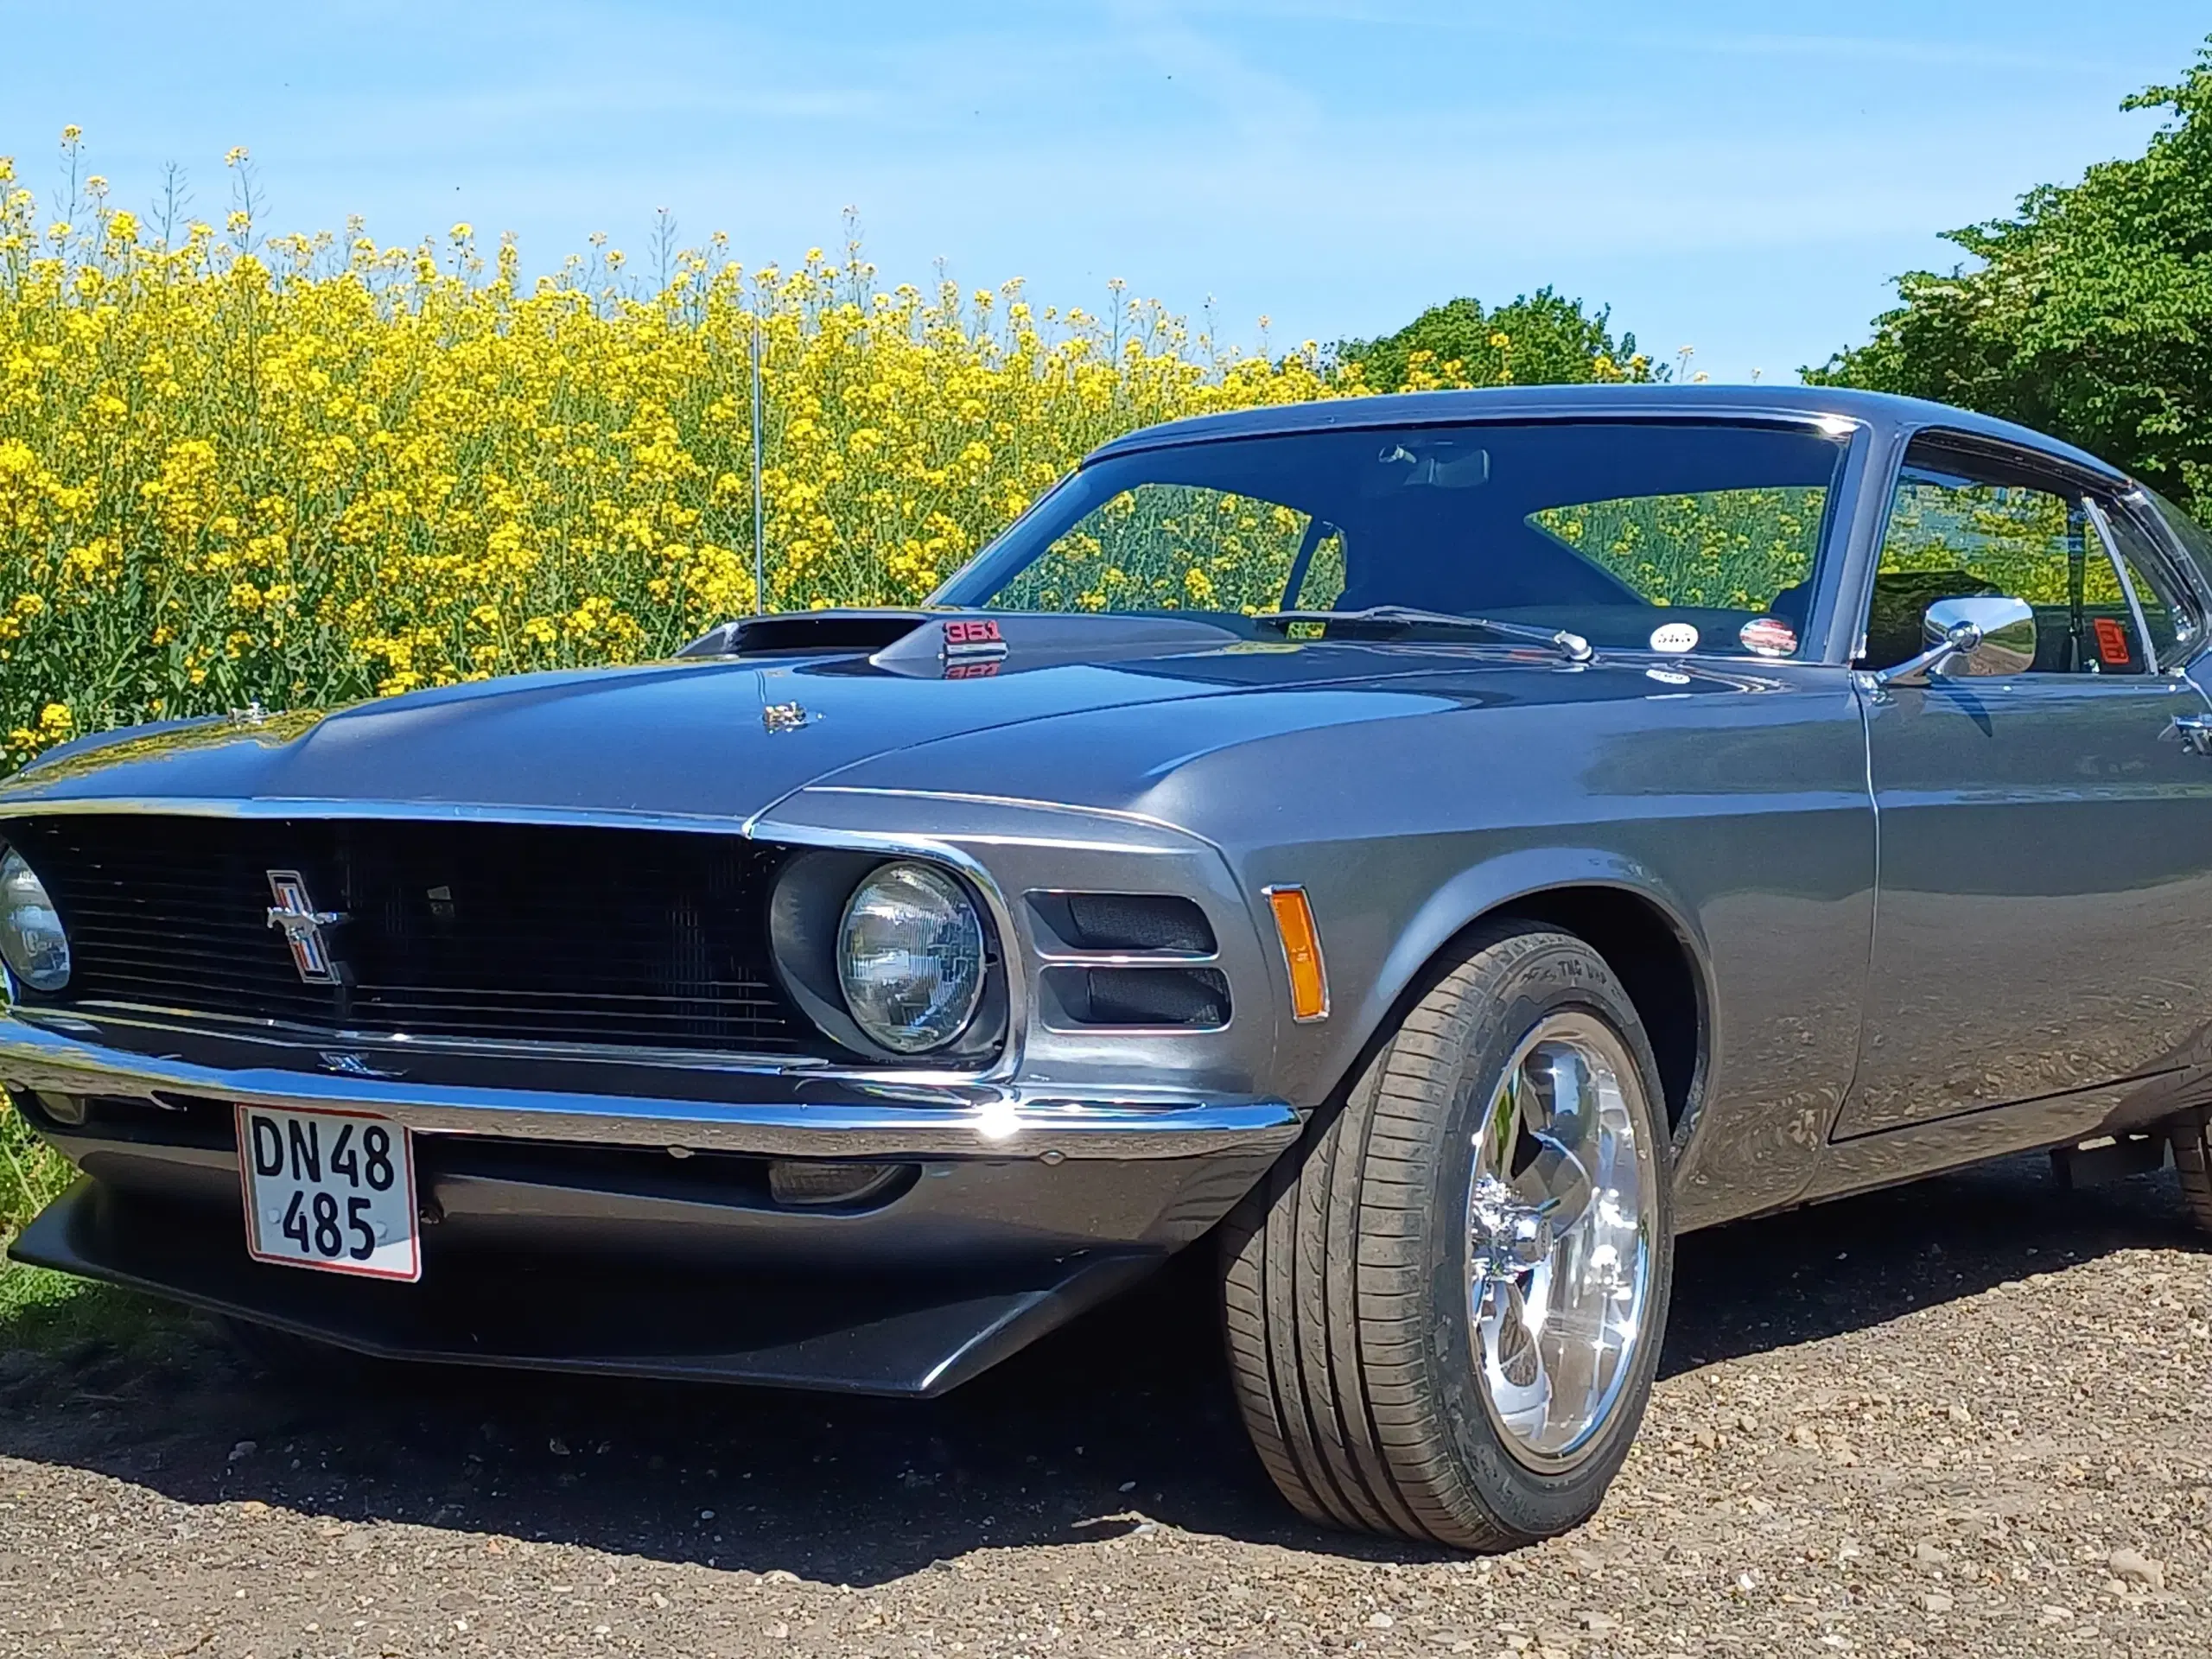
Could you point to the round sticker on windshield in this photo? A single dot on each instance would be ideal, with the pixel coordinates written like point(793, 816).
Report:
point(1768, 636)
point(1674, 636)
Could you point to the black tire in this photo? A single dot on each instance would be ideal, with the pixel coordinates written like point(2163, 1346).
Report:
point(2191, 1135)
point(1344, 1291)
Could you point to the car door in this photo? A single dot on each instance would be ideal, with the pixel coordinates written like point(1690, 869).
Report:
point(2044, 838)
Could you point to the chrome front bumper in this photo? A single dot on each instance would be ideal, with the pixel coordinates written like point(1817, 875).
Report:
point(798, 1116)
point(554, 1239)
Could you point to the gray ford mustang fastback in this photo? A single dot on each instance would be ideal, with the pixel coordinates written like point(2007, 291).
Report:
point(1430, 850)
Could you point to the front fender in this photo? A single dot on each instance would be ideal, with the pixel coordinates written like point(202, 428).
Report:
point(1493, 887)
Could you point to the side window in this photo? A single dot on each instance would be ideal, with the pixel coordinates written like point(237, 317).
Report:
point(2169, 609)
point(1169, 547)
point(2185, 529)
point(1961, 525)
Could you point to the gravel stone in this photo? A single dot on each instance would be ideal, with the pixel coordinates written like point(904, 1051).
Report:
point(1979, 1432)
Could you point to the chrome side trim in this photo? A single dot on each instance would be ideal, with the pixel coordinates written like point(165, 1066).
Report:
point(975, 1122)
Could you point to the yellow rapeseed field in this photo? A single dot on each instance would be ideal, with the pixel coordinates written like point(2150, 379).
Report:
point(302, 470)
point(299, 471)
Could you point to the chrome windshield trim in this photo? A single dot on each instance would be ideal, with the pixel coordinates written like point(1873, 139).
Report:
point(973, 1122)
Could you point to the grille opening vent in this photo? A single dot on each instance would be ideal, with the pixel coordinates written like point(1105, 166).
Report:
point(1125, 922)
point(1191, 999)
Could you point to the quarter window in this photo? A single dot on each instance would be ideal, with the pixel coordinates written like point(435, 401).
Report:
point(2168, 611)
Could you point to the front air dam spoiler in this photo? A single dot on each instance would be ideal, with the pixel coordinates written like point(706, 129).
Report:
point(880, 1334)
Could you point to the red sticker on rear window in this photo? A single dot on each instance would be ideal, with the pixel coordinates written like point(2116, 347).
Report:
point(2112, 641)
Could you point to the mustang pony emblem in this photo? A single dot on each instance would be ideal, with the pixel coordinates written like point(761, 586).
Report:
point(294, 914)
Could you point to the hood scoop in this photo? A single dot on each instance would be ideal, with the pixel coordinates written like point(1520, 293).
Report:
point(962, 644)
point(808, 631)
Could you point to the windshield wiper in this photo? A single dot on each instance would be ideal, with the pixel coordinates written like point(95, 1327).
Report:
point(1572, 646)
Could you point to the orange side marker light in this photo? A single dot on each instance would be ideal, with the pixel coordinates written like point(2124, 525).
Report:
point(1302, 953)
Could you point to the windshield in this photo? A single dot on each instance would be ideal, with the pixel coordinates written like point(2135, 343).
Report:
point(1669, 536)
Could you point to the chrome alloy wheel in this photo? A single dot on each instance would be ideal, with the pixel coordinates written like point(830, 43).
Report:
point(1560, 1207)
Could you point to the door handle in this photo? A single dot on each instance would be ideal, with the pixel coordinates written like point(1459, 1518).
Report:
point(2195, 732)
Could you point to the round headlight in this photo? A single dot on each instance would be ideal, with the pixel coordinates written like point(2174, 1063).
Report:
point(909, 958)
point(30, 933)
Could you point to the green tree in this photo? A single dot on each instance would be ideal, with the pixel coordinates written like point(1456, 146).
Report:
point(2089, 313)
point(1537, 339)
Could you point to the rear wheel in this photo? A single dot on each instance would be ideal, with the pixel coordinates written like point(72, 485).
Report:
point(1443, 1311)
point(2191, 1135)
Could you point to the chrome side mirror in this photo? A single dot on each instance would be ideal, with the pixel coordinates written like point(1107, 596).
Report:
point(1984, 634)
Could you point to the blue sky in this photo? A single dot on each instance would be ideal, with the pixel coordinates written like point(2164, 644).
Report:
point(1741, 177)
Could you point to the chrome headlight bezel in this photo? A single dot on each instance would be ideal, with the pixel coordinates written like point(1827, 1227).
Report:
point(33, 941)
point(814, 897)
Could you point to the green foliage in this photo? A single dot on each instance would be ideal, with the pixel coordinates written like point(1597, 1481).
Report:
point(2089, 314)
point(1168, 547)
point(1537, 339)
point(1724, 549)
point(31, 1172)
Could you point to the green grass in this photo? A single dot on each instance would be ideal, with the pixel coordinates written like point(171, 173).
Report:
point(31, 1172)
point(47, 1311)
point(52, 1313)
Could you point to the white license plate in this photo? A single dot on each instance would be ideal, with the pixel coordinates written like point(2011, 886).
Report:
point(333, 1191)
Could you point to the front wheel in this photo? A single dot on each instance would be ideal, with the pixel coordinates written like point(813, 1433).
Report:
point(1443, 1311)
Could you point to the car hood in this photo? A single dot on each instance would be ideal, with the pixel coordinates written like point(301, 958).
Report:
point(715, 738)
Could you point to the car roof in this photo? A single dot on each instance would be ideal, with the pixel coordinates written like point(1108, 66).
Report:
point(1878, 410)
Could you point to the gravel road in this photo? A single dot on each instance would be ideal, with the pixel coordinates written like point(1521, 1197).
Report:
point(1967, 1417)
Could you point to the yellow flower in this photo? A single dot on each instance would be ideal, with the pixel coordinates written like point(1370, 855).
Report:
point(328, 469)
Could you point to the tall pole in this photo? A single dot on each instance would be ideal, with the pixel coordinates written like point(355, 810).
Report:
point(760, 501)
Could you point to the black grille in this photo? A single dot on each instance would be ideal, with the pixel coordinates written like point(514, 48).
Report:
point(496, 932)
